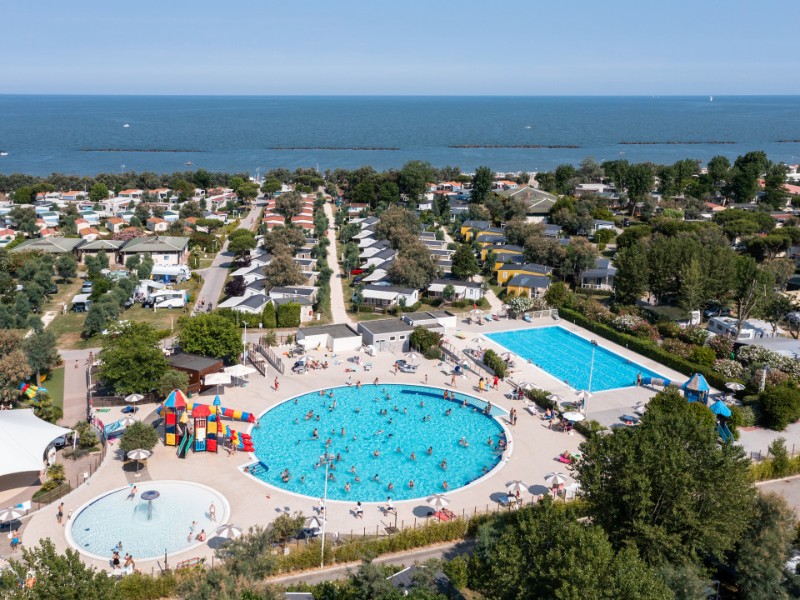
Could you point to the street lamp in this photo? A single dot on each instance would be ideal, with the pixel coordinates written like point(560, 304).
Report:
point(591, 373)
point(244, 362)
point(328, 459)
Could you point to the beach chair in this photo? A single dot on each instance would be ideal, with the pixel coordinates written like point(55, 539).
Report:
point(527, 319)
point(368, 367)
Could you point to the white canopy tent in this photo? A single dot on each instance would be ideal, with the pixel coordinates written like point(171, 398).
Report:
point(23, 439)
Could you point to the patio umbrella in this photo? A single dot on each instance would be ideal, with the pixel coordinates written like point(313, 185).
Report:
point(639, 409)
point(218, 379)
point(556, 398)
point(313, 522)
point(438, 501)
point(719, 408)
point(526, 386)
point(229, 532)
point(573, 416)
point(477, 312)
point(138, 455)
point(555, 478)
point(517, 486)
point(239, 370)
point(584, 395)
point(412, 358)
point(734, 387)
point(133, 398)
point(9, 514)
point(127, 421)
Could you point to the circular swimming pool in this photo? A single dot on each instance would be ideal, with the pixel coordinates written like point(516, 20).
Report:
point(379, 438)
point(147, 529)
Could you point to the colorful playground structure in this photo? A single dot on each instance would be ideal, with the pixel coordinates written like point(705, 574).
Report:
point(207, 432)
point(30, 391)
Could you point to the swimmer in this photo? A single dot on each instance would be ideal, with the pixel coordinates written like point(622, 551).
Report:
point(376, 477)
point(358, 385)
point(338, 456)
point(321, 393)
point(315, 435)
point(445, 485)
point(405, 410)
point(490, 441)
point(430, 450)
point(422, 404)
point(354, 438)
point(484, 470)
point(380, 431)
point(399, 450)
point(411, 484)
point(342, 431)
point(302, 478)
point(330, 394)
point(447, 412)
point(357, 479)
point(376, 454)
point(297, 421)
point(413, 456)
point(328, 442)
point(353, 469)
point(390, 487)
point(331, 477)
point(316, 418)
point(443, 464)
point(309, 414)
point(391, 421)
point(396, 409)
point(347, 487)
point(358, 410)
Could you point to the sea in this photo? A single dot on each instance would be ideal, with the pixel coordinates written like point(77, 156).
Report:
point(86, 135)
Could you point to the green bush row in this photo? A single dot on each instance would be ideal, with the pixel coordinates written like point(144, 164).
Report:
point(493, 360)
point(644, 347)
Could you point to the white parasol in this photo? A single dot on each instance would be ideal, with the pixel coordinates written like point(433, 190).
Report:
point(313, 522)
point(9, 514)
point(584, 395)
point(239, 370)
point(555, 478)
point(412, 358)
point(438, 501)
point(138, 455)
point(218, 379)
point(229, 532)
point(133, 398)
point(573, 416)
point(127, 421)
point(734, 386)
point(517, 486)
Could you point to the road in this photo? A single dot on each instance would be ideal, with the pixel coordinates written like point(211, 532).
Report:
point(214, 276)
point(449, 550)
point(338, 307)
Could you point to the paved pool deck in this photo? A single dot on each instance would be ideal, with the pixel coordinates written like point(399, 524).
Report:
point(532, 450)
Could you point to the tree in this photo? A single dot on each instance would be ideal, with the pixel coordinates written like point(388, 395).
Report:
point(268, 318)
point(414, 266)
point(145, 267)
point(192, 209)
point(270, 187)
point(132, 360)
point(630, 282)
point(289, 205)
point(283, 271)
point(743, 181)
point(557, 294)
point(351, 258)
point(448, 292)
point(544, 552)
point(774, 193)
point(581, 255)
point(639, 180)
point(138, 436)
point(718, 170)
point(44, 407)
point(14, 369)
point(66, 267)
point(289, 315)
point(236, 286)
point(211, 334)
point(692, 294)
point(398, 225)
point(667, 486)
point(780, 406)
point(64, 576)
point(465, 264)
point(764, 549)
point(172, 379)
point(482, 182)
point(41, 352)
point(685, 580)
point(414, 177)
point(285, 237)
point(370, 581)
point(241, 241)
point(99, 192)
point(248, 191)
point(102, 259)
point(752, 289)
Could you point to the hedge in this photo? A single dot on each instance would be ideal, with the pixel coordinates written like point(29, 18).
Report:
point(644, 347)
point(268, 317)
point(492, 360)
point(289, 315)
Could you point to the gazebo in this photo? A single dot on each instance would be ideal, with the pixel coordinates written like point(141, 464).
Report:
point(696, 389)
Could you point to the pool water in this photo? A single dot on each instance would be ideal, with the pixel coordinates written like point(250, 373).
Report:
point(415, 418)
point(568, 357)
point(113, 518)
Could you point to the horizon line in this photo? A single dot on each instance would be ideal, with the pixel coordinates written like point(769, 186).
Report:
point(400, 95)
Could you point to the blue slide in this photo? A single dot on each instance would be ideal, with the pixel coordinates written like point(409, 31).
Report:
point(724, 432)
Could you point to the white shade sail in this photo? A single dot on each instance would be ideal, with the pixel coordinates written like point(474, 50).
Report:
point(23, 439)
point(239, 370)
point(218, 379)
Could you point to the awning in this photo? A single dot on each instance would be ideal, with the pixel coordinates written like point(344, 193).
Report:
point(23, 439)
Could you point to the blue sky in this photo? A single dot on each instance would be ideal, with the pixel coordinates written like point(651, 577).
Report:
point(566, 47)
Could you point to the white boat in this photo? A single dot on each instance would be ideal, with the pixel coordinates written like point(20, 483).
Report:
point(3, 153)
point(711, 98)
point(126, 125)
point(188, 163)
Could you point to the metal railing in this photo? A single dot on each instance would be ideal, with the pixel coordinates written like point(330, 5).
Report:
point(271, 356)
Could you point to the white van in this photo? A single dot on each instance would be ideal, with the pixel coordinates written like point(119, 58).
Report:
point(167, 299)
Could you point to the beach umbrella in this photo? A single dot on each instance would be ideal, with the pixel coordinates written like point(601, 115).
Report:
point(243, 370)
point(412, 358)
point(734, 386)
point(127, 421)
point(138, 455)
point(176, 400)
point(719, 408)
point(133, 398)
point(438, 501)
point(639, 409)
point(477, 312)
point(516, 486)
point(313, 522)
point(229, 532)
point(584, 395)
point(556, 398)
point(218, 379)
point(9, 514)
point(555, 478)
point(573, 416)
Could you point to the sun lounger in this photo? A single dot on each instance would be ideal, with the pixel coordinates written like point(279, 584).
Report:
point(444, 515)
point(527, 318)
point(488, 317)
point(531, 408)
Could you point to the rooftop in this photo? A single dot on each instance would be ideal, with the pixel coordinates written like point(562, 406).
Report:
point(195, 362)
point(386, 326)
point(337, 331)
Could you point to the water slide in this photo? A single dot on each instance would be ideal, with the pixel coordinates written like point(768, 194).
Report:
point(228, 413)
point(183, 447)
point(656, 381)
point(724, 432)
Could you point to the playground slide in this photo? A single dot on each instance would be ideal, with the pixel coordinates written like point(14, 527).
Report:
point(724, 432)
point(228, 413)
point(185, 445)
point(241, 441)
point(114, 429)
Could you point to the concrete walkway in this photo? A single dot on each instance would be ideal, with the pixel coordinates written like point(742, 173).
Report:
point(338, 307)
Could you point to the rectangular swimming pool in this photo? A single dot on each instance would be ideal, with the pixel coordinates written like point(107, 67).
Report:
point(567, 357)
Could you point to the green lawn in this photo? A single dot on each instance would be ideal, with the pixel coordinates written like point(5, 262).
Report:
point(55, 386)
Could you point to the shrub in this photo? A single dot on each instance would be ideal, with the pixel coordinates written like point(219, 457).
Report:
point(289, 315)
point(694, 335)
point(456, 571)
point(87, 438)
point(493, 360)
point(588, 428)
point(668, 329)
point(268, 316)
point(728, 368)
point(677, 347)
point(423, 339)
point(780, 406)
point(144, 587)
point(742, 416)
point(780, 457)
point(702, 356)
point(433, 353)
point(138, 435)
point(722, 345)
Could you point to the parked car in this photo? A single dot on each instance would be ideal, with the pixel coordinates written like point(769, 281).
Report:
point(87, 287)
point(299, 367)
point(717, 311)
point(53, 289)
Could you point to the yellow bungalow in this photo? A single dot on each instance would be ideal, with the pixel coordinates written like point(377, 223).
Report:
point(531, 286)
point(468, 226)
point(488, 238)
point(501, 250)
point(506, 272)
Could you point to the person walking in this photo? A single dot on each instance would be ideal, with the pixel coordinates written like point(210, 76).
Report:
point(359, 510)
point(277, 384)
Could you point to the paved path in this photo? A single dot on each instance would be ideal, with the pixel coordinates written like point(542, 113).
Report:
point(406, 559)
point(338, 306)
point(75, 363)
point(214, 276)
